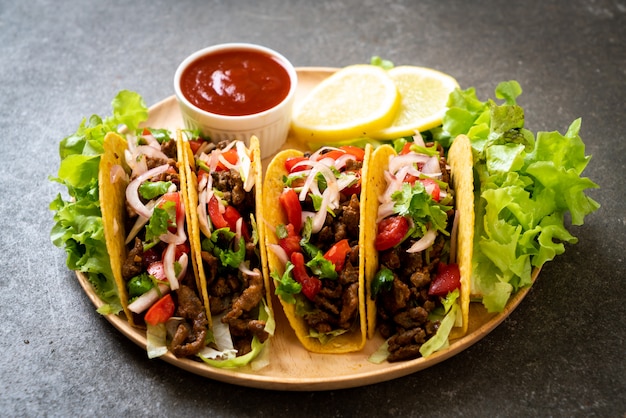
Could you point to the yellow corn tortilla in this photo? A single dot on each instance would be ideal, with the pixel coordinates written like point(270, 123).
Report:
point(112, 204)
point(273, 187)
point(194, 225)
point(462, 182)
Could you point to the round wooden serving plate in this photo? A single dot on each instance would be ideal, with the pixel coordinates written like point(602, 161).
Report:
point(291, 367)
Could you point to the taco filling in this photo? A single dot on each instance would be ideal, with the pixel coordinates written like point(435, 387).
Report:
point(317, 268)
point(162, 290)
point(228, 252)
point(417, 287)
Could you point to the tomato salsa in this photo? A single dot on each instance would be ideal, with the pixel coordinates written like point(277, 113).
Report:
point(235, 82)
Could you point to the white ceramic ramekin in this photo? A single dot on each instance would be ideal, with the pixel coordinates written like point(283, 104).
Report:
point(270, 126)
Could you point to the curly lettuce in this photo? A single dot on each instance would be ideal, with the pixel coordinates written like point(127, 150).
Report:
point(77, 219)
point(525, 188)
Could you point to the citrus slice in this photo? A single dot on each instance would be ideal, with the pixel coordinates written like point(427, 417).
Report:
point(352, 103)
point(424, 94)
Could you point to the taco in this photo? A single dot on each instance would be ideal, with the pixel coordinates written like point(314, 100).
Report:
point(419, 222)
point(228, 248)
point(313, 205)
point(144, 204)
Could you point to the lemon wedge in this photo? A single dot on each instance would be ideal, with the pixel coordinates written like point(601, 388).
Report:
point(354, 102)
point(424, 95)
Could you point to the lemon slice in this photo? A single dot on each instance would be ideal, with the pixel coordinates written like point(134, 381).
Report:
point(424, 94)
point(353, 102)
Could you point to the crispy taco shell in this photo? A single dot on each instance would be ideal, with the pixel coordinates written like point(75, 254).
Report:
point(112, 190)
point(460, 161)
point(351, 341)
point(194, 223)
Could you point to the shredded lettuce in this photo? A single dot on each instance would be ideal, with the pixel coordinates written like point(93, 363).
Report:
point(77, 219)
point(526, 186)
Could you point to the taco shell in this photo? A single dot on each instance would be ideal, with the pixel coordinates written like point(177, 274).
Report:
point(273, 188)
point(112, 189)
point(460, 161)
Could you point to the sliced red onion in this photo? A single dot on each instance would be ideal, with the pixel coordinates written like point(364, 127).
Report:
point(146, 300)
point(279, 252)
point(183, 261)
point(418, 140)
point(151, 152)
point(152, 141)
point(320, 216)
point(340, 162)
point(400, 161)
point(432, 166)
point(168, 265)
point(140, 222)
point(138, 166)
point(423, 243)
point(117, 174)
point(245, 167)
point(245, 269)
point(132, 191)
point(316, 155)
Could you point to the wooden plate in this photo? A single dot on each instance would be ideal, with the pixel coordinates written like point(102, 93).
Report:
point(291, 366)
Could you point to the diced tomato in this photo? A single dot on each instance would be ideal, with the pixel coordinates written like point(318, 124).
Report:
point(406, 148)
point(432, 187)
point(231, 156)
point(290, 243)
point(157, 270)
point(447, 279)
point(180, 210)
point(180, 250)
point(150, 256)
point(217, 219)
point(291, 205)
point(292, 161)
point(195, 144)
point(391, 231)
point(357, 152)
point(231, 216)
point(310, 285)
point(355, 188)
point(337, 254)
point(161, 311)
point(146, 132)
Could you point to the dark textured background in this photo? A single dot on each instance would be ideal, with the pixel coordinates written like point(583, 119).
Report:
point(561, 353)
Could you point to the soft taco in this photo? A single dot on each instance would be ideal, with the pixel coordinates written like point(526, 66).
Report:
point(419, 224)
point(314, 212)
point(225, 189)
point(145, 215)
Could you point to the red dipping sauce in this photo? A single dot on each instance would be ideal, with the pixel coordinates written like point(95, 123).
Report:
point(235, 82)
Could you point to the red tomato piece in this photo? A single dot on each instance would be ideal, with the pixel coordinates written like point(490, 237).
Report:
point(231, 156)
point(432, 187)
point(217, 219)
point(359, 153)
point(337, 254)
point(310, 285)
point(291, 206)
point(391, 231)
point(173, 197)
point(231, 216)
point(195, 144)
point(355, 188)
point(292, 161)
point(161, 311)
point(447, 279)
point(406, 148)
point(290, 243)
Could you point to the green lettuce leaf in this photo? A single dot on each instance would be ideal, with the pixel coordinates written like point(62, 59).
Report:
point(78, 227)
point(525, 187)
